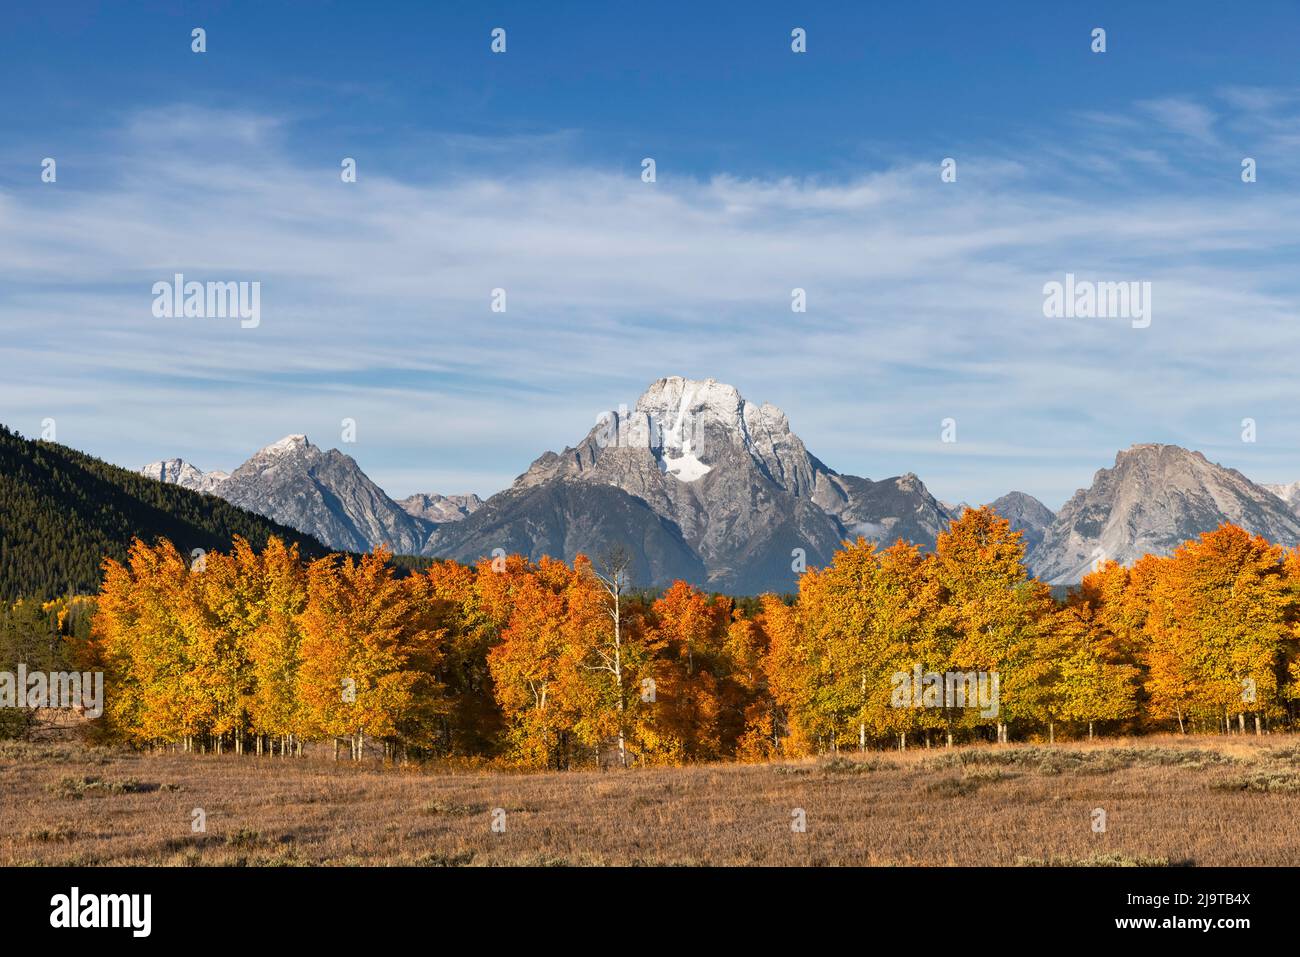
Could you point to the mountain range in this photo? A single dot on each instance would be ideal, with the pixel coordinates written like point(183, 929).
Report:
point(179, 472)
point(62, 512)
point(698, 483)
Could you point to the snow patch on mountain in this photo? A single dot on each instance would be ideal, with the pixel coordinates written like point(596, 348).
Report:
point(685, 467)
point(676, 455)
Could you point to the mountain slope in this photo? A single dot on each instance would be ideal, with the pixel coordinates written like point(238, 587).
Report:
point(884, 510)
point(1289, 493)
point(1027, 515)
point(62, 511)
point(561, 519)
point(326, 495)
point(440, 508)
point(1152, 500)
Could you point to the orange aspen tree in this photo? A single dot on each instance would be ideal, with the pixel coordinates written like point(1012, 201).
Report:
point(682, 710)
point(366, 655)
point(528, 668)
point(788, 668)
point(747, 647)
point(1222, 622)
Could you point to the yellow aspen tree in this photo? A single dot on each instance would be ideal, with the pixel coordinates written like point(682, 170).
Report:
point(1090, 688)
point(607, 653)
point(1291, 647)
point(907, 634)
point(274, 641)
point(472, 723)
point(816, 675)
point(996, 610)
point(149, 694)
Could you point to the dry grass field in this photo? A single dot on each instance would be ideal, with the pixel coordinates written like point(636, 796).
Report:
point(1168, 801)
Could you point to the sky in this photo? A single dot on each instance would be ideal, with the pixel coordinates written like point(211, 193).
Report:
point(775, 170)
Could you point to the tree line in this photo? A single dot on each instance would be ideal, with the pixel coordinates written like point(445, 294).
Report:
point(548, 664)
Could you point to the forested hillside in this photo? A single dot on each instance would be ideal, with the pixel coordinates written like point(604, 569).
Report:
point(62, 512)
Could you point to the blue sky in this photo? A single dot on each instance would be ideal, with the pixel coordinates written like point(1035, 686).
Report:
point(775, 170)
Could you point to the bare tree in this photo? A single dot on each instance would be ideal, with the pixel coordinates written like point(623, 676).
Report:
point(613, 575)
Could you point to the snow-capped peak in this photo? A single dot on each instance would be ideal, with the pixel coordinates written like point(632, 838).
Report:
point(680, 408)
point(287, 445)
point(676, 406)
point(674, 400)
point(693, 419)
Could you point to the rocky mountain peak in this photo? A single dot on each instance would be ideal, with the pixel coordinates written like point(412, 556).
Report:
point(179, 472)
point(1021, 503)
point(1157, 452)
point(441, 508)
point(672, 397)
point(1027, 515)
point(1153, 499)
point(909, 481)
point(682, 429)
point(289, 445)
point(729, 475)
point(326, 495)
point(690, 424)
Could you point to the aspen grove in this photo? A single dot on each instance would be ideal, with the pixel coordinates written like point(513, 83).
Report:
point(554, 665)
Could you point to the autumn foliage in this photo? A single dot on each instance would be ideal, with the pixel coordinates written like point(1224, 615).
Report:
point(554, 665)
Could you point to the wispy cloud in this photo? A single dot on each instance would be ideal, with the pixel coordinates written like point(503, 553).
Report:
point(924, 300)
point(1188, 119)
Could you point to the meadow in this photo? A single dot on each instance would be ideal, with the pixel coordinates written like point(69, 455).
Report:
point(1167, 801)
